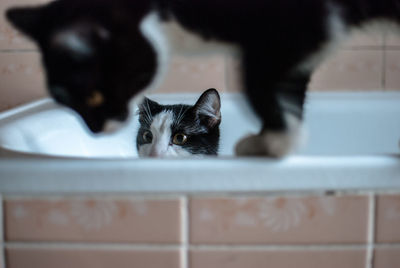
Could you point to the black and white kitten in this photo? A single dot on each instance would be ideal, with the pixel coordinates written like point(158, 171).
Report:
point(100, 53)
point(179, 130)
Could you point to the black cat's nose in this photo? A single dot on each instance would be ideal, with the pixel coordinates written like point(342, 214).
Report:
point(95, 126)
point(94, 123)
point(106, 125)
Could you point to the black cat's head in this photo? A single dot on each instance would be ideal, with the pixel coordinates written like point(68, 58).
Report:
point(180, 130)
point(95, 54)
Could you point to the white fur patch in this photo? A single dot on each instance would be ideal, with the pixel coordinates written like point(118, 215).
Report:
point(151, 29)
point(272, 143)
point(337, 32)
point(161, 145)
point(72, 41)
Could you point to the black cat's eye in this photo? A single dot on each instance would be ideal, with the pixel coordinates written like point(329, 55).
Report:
point(179, 139)
point(147, 136)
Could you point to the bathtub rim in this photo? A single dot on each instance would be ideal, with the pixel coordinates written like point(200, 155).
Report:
point(223, 174)
point(47, 103)
point(23, 173)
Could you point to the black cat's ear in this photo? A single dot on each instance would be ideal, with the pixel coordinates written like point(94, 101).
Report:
point(26, 19)
point(208, 108)
point(81, 38)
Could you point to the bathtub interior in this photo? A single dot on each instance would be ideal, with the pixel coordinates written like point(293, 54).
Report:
point(336, 123)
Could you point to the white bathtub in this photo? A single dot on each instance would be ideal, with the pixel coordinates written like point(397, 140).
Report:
point(353, 144)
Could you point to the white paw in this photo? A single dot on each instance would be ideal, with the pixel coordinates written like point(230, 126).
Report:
point(272, 143)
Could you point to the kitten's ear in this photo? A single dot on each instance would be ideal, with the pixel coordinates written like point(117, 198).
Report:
point(26, 19)
point(147, 104)
point(207, 108)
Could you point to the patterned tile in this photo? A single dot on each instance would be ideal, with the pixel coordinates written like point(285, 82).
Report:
point(234, 78)
point(21, 77)
point(392, 40)
point(10, 38)
point(278, 259)
point(100, 220)
point(194, 74)
point(279, 220)
point(392, 70)
point(387, 258)
point(2, 258)
point(388, 219)
point(350, 70)
point(98, 258)
point(362, 39)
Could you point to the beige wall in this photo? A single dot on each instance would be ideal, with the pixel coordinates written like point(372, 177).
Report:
point(365, 62)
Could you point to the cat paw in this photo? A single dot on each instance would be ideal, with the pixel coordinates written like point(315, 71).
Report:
point(276, 144)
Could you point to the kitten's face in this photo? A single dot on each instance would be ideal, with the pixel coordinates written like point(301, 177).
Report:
point(179, 130)
point(96, 59)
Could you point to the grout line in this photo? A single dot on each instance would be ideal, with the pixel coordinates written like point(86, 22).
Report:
point(388, 245)
point(18, 50)
point(392, 47)
point(95, 196)
point(371, 231)
point(362, 48)
point(178, 195)
point(91, 246)
point(166, 247)
point(225, 75)
point(184, 232)
point(384, 55)
point(279, 247)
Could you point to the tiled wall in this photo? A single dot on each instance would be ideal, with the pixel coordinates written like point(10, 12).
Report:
point(366, 62)
point(354, 231)
point(253, 231)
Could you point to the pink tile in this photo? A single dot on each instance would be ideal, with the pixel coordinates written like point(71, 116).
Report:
point(194, 74)
point(392, 70)
point(234, 77)
point(279, 220)
point(362, 39)
point(21, 77)
point(278, 259)
point(96, 258)
point(350, 70)
point(392, 40)
point(388, 219)
point(387, 258)
point(86, 219)
point(10, 38)
point(2, 258)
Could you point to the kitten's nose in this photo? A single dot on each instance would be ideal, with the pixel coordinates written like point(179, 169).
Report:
point(155, 152)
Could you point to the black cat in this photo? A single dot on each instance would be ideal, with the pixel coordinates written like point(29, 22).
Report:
point(100, 53)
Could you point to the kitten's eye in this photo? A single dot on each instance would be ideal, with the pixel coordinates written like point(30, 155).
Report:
point(147, 136)
point(179, 139)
